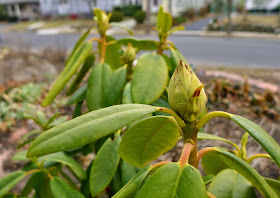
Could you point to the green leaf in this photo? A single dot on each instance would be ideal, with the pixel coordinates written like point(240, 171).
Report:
point(230, 184)
point(128, 171)
point(80, 76)
point(45, 189)
point(132, 186)
point(164, 21)
point(175, 29)
point(149, 78)
point(104, 86)
point(78, 44)
point(104, 166)
point(173, 181)
point(87, 128)
point(112, 56)
point(212, 163)
point(208, 178)
point(260, 135)
point(78, 109)
point(248, 172)
point(207, 136)
point(78, 96)
point(73, 65)
point(129, 31)
point(60, 189)
point(20, 156)
point(140, 44)
point(73, 165)
point(148, 139)
point(9, 181)
point(274, 184)
point(175, 57)
point(126, 97)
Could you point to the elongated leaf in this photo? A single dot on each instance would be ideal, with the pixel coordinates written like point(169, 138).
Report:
point(212, 163)
point(230, 184)
point(60, 189)
point(248, 172)
point(78, 44)
point(78, 96)
point(9, 181)
point(132, 186)
point(20, 156)
point(80, 76)
point(129, 31)
point(70, 162)
point(104, 166)
point(45, 188)
point(260, 135)
point(164, 21)
point(79, 58)
point(207, 136)
point(172, 181)
point(126, 97)
point(274, 184)
point(208, 178)
point(128, 171)
point(140, 44)
point(175, 57)
point(87, 128)
point(148, 139)
point(149, 78)
point(104, 86)
point(175, 29)
point(112, 56)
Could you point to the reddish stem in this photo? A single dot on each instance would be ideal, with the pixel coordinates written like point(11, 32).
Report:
point(186, 154)
point(204, 151)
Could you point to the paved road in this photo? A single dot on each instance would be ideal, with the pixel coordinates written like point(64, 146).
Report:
point(198, 50)
point(199, 25)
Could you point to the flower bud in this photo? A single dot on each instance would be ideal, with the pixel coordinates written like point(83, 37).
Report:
point(186, 94)
point(129, 54)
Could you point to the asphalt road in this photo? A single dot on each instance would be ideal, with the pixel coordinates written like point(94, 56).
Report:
point(209, 51)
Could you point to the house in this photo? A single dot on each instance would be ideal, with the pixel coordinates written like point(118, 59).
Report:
point(75, 7)
point(21, 9)
point(175, 7)
point(267, 5)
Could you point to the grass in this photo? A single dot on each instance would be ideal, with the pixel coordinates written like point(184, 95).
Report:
point(257, 19)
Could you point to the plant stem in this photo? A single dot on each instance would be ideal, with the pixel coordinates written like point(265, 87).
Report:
point(250, 159)
point(103, 47)
point(186, 154)
point(33, 171)
point(205, 151)
point(174, 114)
point(211, 115)
point(190, 133)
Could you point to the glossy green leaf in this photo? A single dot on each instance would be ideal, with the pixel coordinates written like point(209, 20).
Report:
point(175, 57)
point(78, 96)
point(164, 21)
point(149, 139)
point(126, 97)
point(45, 189)
point(116, 183)
point(20, 156)
point(9, 181)
point(78, 44)
point(140, 44)
point(275, 185)
point(175, 29)
point(149, 78)
point(60, 189)
point(80, 76)
point(79, 58)
point(129, 31)
point(104, 86)
point(129, 190)
point(104, 166)
point(112, 56)
point(207, 136)
point(230, 184)
point(172, 181)
point(212, 163)
point(87, 128)
point(73, 165)
point(260, 135)
point(128, 171)
point(208, 178)
point(248, 172)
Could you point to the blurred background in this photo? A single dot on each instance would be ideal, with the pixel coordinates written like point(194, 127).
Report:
point(234, 45)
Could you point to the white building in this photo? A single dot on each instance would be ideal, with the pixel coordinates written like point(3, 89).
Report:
point(175, 7)
point(262, 4)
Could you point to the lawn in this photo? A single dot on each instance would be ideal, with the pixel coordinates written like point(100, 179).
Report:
point(257, 19)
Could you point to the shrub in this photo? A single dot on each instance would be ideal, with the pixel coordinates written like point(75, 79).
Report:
point(178, 20)
point(128, 10)
point(203, 11)
point(190, 13)
point(140, 16)
point(116, 16)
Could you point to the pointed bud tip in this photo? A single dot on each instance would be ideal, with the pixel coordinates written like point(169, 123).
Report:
point(197, 91)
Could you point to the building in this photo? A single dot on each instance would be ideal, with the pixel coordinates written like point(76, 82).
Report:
point(175, 7)
point(21, 9)
point(267, 5)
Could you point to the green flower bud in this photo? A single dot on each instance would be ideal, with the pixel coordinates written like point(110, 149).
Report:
point(129, 54)
point(102, 20)
point(186, 94)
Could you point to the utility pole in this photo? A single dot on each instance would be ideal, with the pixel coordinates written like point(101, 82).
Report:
point(229, 9)
point(148, 16)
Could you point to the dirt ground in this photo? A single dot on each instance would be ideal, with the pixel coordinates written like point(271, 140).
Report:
point(228, 89)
